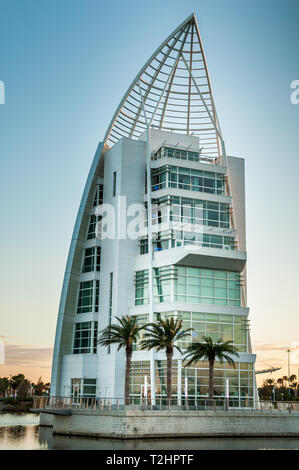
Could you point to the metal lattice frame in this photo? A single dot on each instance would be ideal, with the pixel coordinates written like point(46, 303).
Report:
point(176, 91)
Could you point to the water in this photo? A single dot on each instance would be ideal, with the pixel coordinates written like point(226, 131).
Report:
point(21, 432)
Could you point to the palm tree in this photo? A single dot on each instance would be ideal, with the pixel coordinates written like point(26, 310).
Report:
point(271, 383)
point(285, 379)
point(163, 335)
point(293, 383)
point(209, 351)
point(280, 382)
point(125, 334)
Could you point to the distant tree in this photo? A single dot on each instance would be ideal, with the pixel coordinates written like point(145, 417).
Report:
point(266, 390)
point(40, 387)
point(280, 382)
point(4, 386)
point(285, 379)
point(20, 385)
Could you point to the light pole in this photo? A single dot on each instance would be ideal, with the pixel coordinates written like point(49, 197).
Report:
point(289, 351)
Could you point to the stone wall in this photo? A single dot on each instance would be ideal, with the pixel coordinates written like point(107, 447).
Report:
point(46, 419)
point(143, 424)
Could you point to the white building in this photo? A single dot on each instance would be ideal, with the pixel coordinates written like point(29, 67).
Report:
point(166, 132)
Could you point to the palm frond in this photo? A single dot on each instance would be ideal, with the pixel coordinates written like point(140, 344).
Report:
point(163, 334)
point(124, 334)
point(207, 350)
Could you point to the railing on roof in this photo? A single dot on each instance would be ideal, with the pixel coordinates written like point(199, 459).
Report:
point(184, 154)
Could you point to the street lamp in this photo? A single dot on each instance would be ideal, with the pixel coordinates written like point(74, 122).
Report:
point(289, 351)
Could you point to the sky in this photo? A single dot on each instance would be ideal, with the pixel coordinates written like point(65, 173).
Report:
point(66, 65)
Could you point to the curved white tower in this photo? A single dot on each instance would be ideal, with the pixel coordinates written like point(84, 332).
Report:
point(190, 259)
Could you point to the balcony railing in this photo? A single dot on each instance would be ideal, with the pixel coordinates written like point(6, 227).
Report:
point(180, 154)
point(220, 404)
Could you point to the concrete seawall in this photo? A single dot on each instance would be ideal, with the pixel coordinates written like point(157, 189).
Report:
point(131, 424)
point(46, 420)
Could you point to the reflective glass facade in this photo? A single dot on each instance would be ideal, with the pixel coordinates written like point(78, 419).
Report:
point(240, 378)
point(190, 285)
point(221, 327)
point(170, 176)
point(191, 211)
point(176, 238)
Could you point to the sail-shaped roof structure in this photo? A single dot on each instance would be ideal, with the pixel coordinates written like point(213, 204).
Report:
point(177, 93)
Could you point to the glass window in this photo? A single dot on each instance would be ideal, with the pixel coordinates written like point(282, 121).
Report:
point(92, 260)
point(187, 179)
point(92, 227)
point(85, 338)
point(98, 197)
point(88, 296)
point(89, 387)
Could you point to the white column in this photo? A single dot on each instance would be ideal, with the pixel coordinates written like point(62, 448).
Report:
point(227, 388)
point(186, 387)
point(227, 393)
point(150, 245)
point(150, 260)
point(179, 390)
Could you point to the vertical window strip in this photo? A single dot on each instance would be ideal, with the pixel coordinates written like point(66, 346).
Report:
point(93, 220)
point(85, 297)
point(114, 184)
point(110, 303)
point(88, 263)
point(88, 298)
point(85, 338)
point(82, 338)
point(92, 259)
point(97, 295)
point(98, 258)
point(95, 337)
point(98, 197)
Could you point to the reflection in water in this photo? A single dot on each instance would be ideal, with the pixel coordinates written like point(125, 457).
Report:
point(19, 419)
point(21, 432)
point(72, 443)
point(20, 438)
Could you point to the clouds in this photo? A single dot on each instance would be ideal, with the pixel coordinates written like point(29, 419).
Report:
point(275, 355)
point(277, 351)
point(269, 347)
point(27, 356)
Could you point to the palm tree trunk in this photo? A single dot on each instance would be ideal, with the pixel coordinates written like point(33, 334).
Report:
point(169, 354)
point(127, 379)
point(211, 382)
